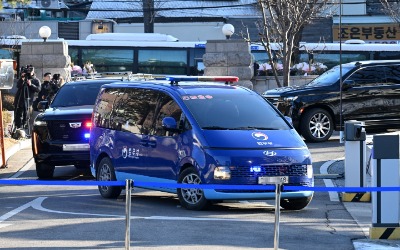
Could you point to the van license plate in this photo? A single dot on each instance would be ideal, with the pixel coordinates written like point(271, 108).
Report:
point(264, 180)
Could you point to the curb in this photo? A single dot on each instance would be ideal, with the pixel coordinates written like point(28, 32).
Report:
point(15, 148)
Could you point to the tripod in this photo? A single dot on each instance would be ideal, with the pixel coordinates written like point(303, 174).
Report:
point(22, 113)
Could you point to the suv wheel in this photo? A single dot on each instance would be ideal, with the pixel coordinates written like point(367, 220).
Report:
point(316, 125)
point(105, 172)
point(44, 171)
point(191, 198)
point(295, 204)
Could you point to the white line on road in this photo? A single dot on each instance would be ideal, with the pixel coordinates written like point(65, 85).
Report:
point(18, 210)
point(38, 206)
point(328, 182)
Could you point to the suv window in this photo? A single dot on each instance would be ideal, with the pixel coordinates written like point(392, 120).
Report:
point(330, 77)
point(368, 76)
point(166, 107)
point(77, 94)
point(393, 74)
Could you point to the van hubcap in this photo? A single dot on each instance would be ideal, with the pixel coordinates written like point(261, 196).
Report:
point(191, 195)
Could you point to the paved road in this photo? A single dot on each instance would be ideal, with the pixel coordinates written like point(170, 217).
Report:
point(76, 217)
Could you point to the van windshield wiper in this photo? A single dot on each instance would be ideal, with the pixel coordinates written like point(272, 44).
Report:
point(254, 128)
point(215, 128)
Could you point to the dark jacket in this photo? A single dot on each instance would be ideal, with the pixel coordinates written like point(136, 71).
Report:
point(48, 90)
point(25, 92)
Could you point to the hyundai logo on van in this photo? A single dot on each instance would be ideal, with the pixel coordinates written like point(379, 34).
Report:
point(260, 136)
point(75, 124)
point(269, 153)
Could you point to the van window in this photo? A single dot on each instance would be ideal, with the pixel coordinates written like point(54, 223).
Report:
point(167, 107)
point(229, 110)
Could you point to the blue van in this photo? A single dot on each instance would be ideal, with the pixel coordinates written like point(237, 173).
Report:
point(196, 130)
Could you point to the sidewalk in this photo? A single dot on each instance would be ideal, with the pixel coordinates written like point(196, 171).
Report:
point(17, 157)
point(360, 211)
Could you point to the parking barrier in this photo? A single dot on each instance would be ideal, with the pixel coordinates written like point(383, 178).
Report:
point(278, 187)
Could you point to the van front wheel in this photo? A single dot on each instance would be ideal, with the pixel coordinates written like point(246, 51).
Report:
point(191, 198)
point(105, 172)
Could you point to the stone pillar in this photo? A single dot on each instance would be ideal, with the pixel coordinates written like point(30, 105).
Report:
point(50, 56)
point(229, 58)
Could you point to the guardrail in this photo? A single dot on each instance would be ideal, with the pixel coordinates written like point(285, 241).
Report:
point(129, 185)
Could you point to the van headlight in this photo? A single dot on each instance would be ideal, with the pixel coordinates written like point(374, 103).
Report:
point(222, 173)
point(309, 171)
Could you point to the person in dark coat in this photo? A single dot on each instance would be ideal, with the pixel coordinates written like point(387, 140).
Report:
point(49, 87)
point(27, 86)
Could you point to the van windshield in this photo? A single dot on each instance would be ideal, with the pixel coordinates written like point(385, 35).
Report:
point(234, 111)
point(329, 77)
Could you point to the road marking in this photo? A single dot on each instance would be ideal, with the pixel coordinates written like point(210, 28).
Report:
point(18, 210)
point(333, 196)
point(25, 168)
point(38, 206)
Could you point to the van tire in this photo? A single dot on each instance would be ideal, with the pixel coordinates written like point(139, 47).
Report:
point(105, 172)
point(295, 204)
point(190, 198)
point(316, 125)
point(44, 171)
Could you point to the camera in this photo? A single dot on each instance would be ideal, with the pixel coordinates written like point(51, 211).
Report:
point(27, 71)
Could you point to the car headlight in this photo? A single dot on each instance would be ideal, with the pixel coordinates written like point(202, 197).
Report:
point(40, 123)
point(222, 173)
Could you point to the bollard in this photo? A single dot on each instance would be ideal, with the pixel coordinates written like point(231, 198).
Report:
point(355, 160)
point(385, 173)
point(128, 191)
point(277, 181)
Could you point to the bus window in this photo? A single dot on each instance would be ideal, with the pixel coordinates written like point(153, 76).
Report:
point(109, 60)
point(387, 55)
point(333, 59)
point(162, 61)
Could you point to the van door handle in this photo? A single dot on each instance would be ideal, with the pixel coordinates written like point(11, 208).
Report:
point(152, 144)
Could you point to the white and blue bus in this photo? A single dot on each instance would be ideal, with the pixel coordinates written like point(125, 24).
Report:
point(163, 55)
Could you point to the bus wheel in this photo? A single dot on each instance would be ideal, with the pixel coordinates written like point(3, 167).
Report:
point(191, 198)
point(105, 172)
point(295, 204)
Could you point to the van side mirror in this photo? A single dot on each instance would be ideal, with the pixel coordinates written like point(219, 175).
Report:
point(169, 124)
point(42, 106)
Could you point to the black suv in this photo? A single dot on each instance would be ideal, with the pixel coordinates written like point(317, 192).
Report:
point(370, 93)
point(61, 133)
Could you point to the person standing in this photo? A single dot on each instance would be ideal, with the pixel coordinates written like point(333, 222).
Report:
point(49, 87)
point(27, 86)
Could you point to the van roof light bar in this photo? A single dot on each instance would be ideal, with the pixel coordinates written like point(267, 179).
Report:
point(227, 79)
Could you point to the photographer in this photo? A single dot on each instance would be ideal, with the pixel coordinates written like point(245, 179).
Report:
point(27, 86)
point(49, 87)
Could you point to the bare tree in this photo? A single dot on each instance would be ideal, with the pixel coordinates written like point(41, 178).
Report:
point(392, 9)
point(282, 25)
